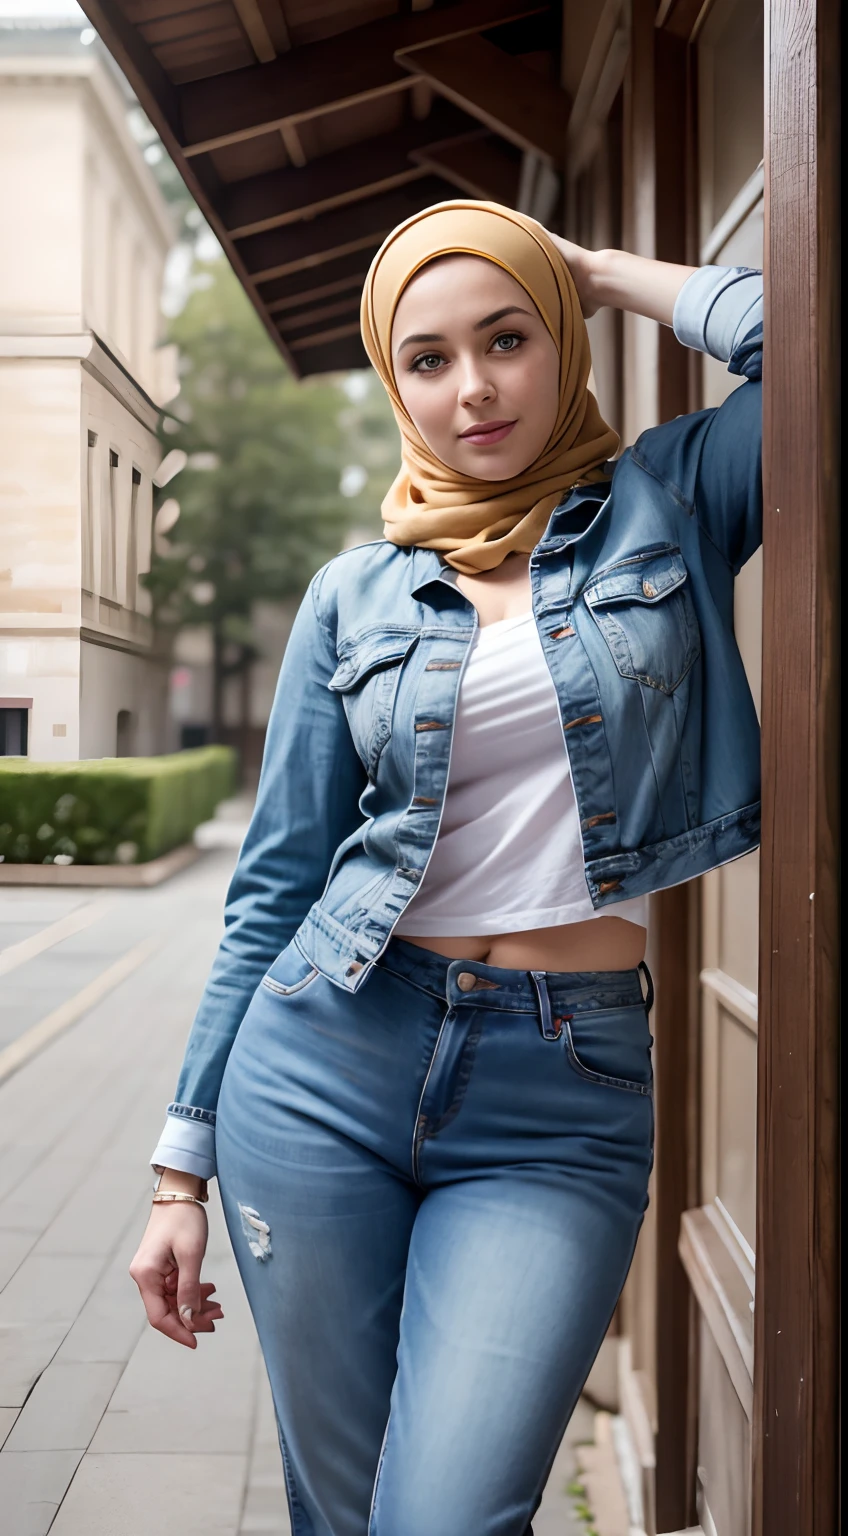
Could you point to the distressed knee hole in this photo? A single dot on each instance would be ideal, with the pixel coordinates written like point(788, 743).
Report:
point(257, 1232)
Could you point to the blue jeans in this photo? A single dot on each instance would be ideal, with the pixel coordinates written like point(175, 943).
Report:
point(433, 1189)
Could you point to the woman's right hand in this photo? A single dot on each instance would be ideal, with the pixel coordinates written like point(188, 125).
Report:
point(166, 1269)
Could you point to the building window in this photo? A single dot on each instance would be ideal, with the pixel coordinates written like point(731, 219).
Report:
point(132, 543)
point(14, 731)
point(89, 515)
point(125, 744)
point(108, 532)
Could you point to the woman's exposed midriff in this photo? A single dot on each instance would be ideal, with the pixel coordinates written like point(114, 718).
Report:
point(602, 944)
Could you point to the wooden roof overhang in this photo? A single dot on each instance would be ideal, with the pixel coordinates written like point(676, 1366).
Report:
point(306, 129)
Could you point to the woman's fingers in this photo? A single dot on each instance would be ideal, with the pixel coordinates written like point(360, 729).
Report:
point(206, 1315)
point(157, 1304)
point(204, 1322)
point(210, 1309)
point(581, 265)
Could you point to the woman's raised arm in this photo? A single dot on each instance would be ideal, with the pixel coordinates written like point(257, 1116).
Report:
point(623, 281)
point(720, 313)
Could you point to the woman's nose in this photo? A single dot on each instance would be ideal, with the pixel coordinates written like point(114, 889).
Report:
point(476, 387)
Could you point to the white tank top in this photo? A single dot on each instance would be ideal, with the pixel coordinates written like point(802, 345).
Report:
point(508, 855)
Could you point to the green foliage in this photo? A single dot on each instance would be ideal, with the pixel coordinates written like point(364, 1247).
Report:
point(576, 1490)
point(261, 506)
point(110, 810)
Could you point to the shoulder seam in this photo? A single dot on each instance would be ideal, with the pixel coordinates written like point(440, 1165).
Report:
point(313, 588)
point(668, 485)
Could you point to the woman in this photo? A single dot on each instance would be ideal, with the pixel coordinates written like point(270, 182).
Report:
point(422, 1060)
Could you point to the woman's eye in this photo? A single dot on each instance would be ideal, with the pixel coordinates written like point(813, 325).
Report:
point(509, 342)
point(428, 362)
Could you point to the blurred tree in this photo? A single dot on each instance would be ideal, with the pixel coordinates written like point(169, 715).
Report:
point(279, 473)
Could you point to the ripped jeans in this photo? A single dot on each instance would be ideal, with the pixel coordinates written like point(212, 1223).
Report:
point(433, 1189)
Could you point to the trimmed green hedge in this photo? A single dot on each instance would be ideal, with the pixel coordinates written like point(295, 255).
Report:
point(108, 810)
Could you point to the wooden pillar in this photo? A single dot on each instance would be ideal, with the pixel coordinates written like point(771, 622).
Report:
point(796, 1320)
point(656, 169)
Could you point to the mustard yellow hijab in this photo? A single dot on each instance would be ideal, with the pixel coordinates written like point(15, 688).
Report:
point(477, 523)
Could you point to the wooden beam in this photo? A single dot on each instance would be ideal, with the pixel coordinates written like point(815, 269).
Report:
point(682, 18)
point(313, 284)
point(345, 231)
point(795, 1439)
point(321, 338)
point(266, 27)
point(479, 164)
point(275, 22)
point(654, 173)
point(307, 319)
point(291, 143)
point(677, 1171)
point(382, 170)
point(347, 352)
point(253, 21)
point(321, 77)
point(499, 91)
point(377, 165)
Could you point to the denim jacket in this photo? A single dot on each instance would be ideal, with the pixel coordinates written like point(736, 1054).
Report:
point(632, 588)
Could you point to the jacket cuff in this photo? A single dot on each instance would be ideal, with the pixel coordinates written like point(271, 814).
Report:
point(717, 307)
point(188, 1145)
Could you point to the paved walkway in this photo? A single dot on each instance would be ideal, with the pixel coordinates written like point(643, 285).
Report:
point(106, 1428)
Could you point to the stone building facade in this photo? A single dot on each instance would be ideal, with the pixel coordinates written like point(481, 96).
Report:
point(82, 378)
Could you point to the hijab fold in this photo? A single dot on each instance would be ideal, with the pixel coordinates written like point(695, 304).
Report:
point(477, 523)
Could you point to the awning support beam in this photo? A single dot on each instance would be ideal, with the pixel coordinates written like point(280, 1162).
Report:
point(342, 232)
point(501, 92)
point(347, 175)
point(321, 77)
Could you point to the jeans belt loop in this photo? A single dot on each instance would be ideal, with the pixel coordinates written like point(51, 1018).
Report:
point(649, 982)
point(551, 1029)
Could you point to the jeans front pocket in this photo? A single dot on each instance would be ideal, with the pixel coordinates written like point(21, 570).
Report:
point(611, 1047)
point(291, 972)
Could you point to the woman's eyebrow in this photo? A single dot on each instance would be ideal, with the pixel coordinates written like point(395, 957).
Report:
point(421, 336)
point(499, 314)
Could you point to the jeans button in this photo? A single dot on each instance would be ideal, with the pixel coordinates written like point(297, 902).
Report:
point(466, 981)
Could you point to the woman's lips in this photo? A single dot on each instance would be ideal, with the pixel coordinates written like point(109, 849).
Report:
point(484, 433)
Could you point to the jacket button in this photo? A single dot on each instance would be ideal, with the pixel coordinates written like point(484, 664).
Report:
point(466, 981)
point(648, 590)
point(354, 968)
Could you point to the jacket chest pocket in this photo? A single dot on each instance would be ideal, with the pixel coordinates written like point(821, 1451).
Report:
point(367, 678)
point(644, 610)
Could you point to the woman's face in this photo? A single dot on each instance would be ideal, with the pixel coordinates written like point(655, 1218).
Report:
point(476, 367)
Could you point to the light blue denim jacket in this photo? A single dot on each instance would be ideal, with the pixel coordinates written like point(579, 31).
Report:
point(633, 596)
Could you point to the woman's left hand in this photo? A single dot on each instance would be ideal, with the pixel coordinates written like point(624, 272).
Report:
point(581, 264)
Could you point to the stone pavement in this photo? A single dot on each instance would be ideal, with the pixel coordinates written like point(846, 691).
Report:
point(106, 1427)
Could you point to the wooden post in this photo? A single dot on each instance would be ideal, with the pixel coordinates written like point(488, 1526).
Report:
point(796, 1322)
point(655, 224)
point(676, 1185)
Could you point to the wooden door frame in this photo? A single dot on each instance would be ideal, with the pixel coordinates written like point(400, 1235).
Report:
point(796, 1319)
